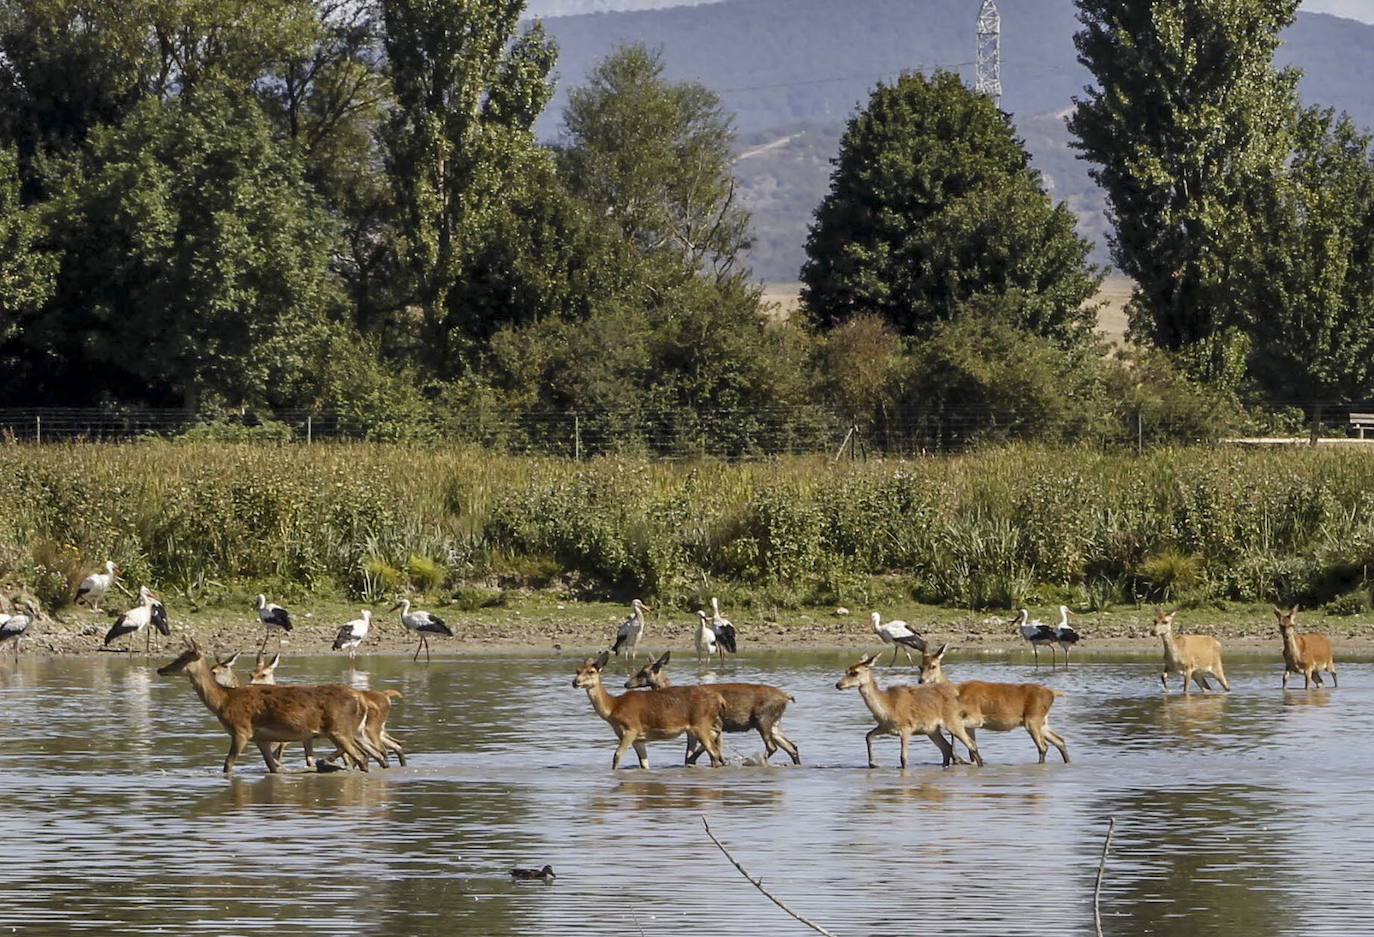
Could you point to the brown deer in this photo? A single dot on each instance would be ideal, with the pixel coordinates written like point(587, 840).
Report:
point(223, 670)
point(654, 715)
point(1304, 653)
point(1000, 707)
point(1193, 655)
point(376, 702)
point(267, 715)
point(902, 710)
point(748, 706)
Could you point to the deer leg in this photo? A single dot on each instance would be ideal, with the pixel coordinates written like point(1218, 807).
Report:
point(690, 757)
point(1038, 738)
point(236, 745)
point(642, 753)
point(1058, 741)
point(947, 756)
point(785, 744)
point(390, 742)
point(868, 739)
point(1285, 678)
point(709, 737)
point(273, 763)
point(1332, 670)
point(966, 736)
point(1164, 680)
point(626, 739)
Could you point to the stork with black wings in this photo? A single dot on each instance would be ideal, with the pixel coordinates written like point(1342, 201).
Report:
point(724, 631)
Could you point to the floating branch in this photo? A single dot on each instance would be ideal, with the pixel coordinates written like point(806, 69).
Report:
point(759, 885)
point(1102, 864)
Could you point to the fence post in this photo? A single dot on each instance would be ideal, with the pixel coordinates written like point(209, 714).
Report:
point(577, 438)
point(309, 429)
point(1139, 432)
point(38, 429)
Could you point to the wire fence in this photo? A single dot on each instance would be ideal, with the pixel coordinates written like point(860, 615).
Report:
point(678, 432)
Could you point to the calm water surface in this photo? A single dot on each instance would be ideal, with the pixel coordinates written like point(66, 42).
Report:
point(1236, 815)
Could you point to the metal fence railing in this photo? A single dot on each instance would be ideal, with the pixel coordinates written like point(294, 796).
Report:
point(732, 433)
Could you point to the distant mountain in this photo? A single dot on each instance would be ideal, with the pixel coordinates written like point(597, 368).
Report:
point(793, 71)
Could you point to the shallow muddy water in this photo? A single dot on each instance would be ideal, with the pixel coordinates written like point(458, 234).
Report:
point(1235, 815)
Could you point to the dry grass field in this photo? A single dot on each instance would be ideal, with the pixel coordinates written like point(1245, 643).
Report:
point(782, 299)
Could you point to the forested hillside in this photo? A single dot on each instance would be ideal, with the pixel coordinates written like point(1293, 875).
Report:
point(792, 71)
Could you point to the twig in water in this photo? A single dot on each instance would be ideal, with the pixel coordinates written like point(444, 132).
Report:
point(1102, 864)
point(759, 885)
point(638, 926)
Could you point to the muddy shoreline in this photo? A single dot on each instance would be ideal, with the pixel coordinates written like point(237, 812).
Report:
point(79, 633)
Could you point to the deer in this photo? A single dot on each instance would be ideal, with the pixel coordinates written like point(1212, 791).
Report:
point(1000, 707)
point(376, 702)
point(903, 710)
point(1193, 655)
point(1304, 653)
point(755, 706)
point(266, 715)
point(639, 717)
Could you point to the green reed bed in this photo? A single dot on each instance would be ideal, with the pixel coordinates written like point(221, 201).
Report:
point(997, 528)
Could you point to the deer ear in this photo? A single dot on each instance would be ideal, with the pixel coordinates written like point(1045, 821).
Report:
point(1279, 612)
point(601, 659)
point(868, 661)
point(275, 661)
point(658, 664)
point(941, 652)
point(1296, 609)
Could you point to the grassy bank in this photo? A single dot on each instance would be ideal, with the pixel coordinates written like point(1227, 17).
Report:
point(216, 523)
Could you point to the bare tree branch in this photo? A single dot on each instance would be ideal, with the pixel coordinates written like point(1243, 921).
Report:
point(1102, 864)
point(759, 885)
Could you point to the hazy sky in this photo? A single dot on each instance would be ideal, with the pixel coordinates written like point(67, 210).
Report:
point(1355, 9)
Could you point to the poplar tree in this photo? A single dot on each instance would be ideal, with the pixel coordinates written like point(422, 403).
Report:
point(1188, 115)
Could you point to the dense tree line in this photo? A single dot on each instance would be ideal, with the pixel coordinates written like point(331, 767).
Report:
point(330, 204)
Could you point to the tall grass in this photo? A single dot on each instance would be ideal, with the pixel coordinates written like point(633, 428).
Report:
point(999, 527)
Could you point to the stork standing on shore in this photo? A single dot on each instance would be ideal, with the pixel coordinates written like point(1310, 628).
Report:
point(705, 637)
point(631, 630)
point(1064, 635)
point(1036, 632)
point(12, 627)
point(352, 634)
point(149, 610)
point(724, 631)
point(422, 623)
point(94, 586)
point(899, 634)
point(275, 618)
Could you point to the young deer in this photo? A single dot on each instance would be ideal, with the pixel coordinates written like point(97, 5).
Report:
point(223, 670)
point(376, 702)
point(748, 706)
point(1304, 653)
point(1000, 707)
point(655, 715)
point(270, 714)
point(902, 710)
point(1193, 655)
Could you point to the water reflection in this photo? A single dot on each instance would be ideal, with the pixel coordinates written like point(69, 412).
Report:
point(120, 821)
point(1192, 864)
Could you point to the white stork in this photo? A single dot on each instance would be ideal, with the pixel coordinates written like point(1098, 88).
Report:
point(1064, 635)
point(148, 611)
point(899, 634)
point(94, 586)
point(1036, 632)
point(423, 624)
point(352, 634)
point(274, 617)
point(705, 637)
point(12, 627)
point(631, 630)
